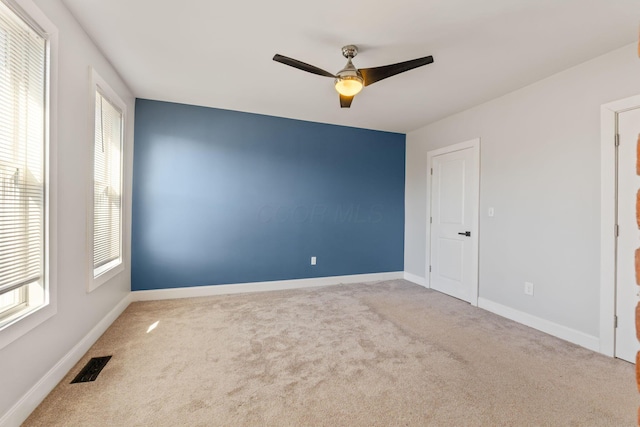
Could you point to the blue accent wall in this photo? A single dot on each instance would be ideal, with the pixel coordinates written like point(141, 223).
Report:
point(223, 197)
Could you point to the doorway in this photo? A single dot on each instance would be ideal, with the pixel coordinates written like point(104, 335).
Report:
point(620, 228)
point(453, 185)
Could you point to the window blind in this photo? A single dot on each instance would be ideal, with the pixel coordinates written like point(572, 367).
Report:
point(23, 65)
point(107, 212)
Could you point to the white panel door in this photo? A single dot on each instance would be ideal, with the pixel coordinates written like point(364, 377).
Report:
point(629, 236)
point(454, 186)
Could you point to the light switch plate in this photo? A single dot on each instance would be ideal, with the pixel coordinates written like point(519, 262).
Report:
point(528, 288)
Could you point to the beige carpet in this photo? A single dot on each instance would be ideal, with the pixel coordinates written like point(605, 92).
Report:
point(383, 354)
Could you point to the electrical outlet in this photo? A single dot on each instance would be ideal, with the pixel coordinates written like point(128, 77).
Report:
point(528, 288)
point(313, 260)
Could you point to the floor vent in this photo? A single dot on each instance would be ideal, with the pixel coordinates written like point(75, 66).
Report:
point(91, 370)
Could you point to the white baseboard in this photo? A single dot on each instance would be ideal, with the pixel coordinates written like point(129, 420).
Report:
point(576, 337)
point(278, 285)
point(415, 279)
point(30, 401)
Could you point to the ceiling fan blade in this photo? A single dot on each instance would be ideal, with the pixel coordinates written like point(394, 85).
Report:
point(375, 74)
point(345, 101)
point(302, 66)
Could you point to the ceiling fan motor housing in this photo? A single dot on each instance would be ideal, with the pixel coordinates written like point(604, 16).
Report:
point(349, 71)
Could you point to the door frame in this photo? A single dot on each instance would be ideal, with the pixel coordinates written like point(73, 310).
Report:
point(608, 216)
point(475, 237)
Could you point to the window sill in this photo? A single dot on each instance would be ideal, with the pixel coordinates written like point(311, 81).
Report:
point(25, 322)
point(104, 274)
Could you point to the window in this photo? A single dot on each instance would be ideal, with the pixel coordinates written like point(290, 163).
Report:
point(107, 184)
point(24, 99)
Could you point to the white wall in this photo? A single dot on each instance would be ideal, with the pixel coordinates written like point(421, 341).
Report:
point(540, 170)
point(25, 361)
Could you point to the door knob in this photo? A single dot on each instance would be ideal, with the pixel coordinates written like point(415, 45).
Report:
point(466, 233)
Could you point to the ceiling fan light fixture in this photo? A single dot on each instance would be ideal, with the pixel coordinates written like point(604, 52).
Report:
point(348, 81)
point(349, 85)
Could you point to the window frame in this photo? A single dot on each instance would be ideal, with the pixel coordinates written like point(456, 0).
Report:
point(22, 324)
point(113, 268)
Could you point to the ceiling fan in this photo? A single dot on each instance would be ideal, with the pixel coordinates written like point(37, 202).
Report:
point(349, 81)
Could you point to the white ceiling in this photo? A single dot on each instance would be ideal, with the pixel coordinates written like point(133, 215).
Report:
point(219, 53)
